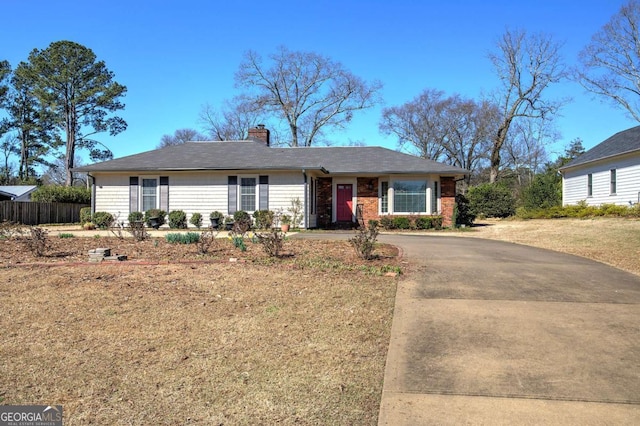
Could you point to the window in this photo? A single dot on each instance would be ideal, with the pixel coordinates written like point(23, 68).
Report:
point(589, 185)
point(149, 194)
point(248, 194)
point(613, 181)
point(384, 197)
point(410, 196)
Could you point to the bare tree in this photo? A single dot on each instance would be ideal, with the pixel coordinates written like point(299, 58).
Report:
point(8, 148)
point(419, 125)
point(232, 121)
point(526, 65)
point(181, 136)
point(451, 129)
point(610, 63)
point(309, 92)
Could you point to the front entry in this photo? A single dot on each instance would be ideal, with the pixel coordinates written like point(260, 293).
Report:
point(344, 203)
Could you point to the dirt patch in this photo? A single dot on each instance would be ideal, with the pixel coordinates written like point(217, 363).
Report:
point(297, 340)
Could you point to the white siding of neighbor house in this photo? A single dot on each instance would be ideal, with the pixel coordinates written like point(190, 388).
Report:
point(195, 192)
point(574, 182)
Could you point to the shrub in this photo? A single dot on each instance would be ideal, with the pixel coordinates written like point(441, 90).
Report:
point(364, 242)
point(216, 215)
point(463, 214)
point(544, 191)
point(241, 223)
point(85, 215)
point(137, 230)
point(373, 222)
point(207, 240)
point(387, 222)
point(264, 219)
point(62, 194)
point(135, 217)
point(196, 220)
point(160, 214)
point(491, 200)
point(183, 238)
point(241, 215)
point(272, 242)
point(401, 222)
point(65, 235)
point(35, 239)
point(423, 222)
point(103, 220)
point(296, 212)
point(177, 219)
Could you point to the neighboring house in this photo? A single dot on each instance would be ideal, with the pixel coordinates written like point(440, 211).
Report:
point(334, 184)
point(608, 173)
point(16, 192)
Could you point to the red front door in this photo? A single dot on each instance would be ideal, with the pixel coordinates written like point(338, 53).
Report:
point(344, 203)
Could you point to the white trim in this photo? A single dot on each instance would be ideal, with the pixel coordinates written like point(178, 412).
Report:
point(257, 192)
point(141, 179)
point(392, 183)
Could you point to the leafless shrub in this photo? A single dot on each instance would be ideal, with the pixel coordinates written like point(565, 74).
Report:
point(207, 240)
point(272, 242)
point(35, 239)
point(364, 242)
point(137, 231)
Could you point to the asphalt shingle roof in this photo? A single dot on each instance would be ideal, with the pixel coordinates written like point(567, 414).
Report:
point(253, 155)
point(622, 142)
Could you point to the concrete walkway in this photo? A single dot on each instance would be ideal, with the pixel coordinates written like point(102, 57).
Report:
point(495, 333)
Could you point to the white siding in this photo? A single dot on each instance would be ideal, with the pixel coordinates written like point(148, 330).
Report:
point(195, 192)
point(112, 195)
point(574, 182)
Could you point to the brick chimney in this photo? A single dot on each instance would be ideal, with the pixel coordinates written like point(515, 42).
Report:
point(259, 133)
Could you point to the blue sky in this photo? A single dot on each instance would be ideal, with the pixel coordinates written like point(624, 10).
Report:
point(176, 56)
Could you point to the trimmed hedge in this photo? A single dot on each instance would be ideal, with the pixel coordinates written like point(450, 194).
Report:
point(62, 194)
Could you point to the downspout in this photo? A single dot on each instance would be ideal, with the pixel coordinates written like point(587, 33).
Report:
point(306, 217)
point(93, 191)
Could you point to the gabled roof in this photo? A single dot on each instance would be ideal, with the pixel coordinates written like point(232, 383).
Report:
point(623, 142)
point(16, 191)
point(254, 155)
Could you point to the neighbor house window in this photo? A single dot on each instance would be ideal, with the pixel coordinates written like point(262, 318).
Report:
point(410, 196)
point(248, 194)
point(613, 181)
point(149, 194)
point(384, 197)
point(589, 185)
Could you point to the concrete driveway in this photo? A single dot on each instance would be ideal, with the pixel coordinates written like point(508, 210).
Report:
point(487, 332)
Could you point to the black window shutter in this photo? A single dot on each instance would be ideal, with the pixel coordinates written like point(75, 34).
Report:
point(164, 193)
point(263, 193)
point(233, 194)
point(133, 194)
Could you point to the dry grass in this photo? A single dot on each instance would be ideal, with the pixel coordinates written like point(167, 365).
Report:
point(613, 241)
point(303, 342)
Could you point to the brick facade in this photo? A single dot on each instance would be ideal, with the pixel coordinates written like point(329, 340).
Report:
point(367, 193)
point(325, 198)
point(368, 198)
point(447, 200)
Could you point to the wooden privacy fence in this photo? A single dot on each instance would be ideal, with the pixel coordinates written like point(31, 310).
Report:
point(32, 213)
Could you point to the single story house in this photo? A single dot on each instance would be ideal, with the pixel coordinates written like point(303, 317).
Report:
point(608, 173)
point(16, 192)
point(334, 184)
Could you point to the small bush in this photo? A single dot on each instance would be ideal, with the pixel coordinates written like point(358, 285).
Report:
point(137, 230)
point(160, 214)
point(364, 242)
point(196, 220)
point(207, 240)
point(216, 215)
point(35, 239)
point(401, 222)
point(177, 219)
point(241, 223)
point(103, 220)
point(272, 242)
point(387, 222)
point(183, 238)
point(373, 222)
point(65, 235)
point(263, 219)
point(85, 215)
point(135, 217)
